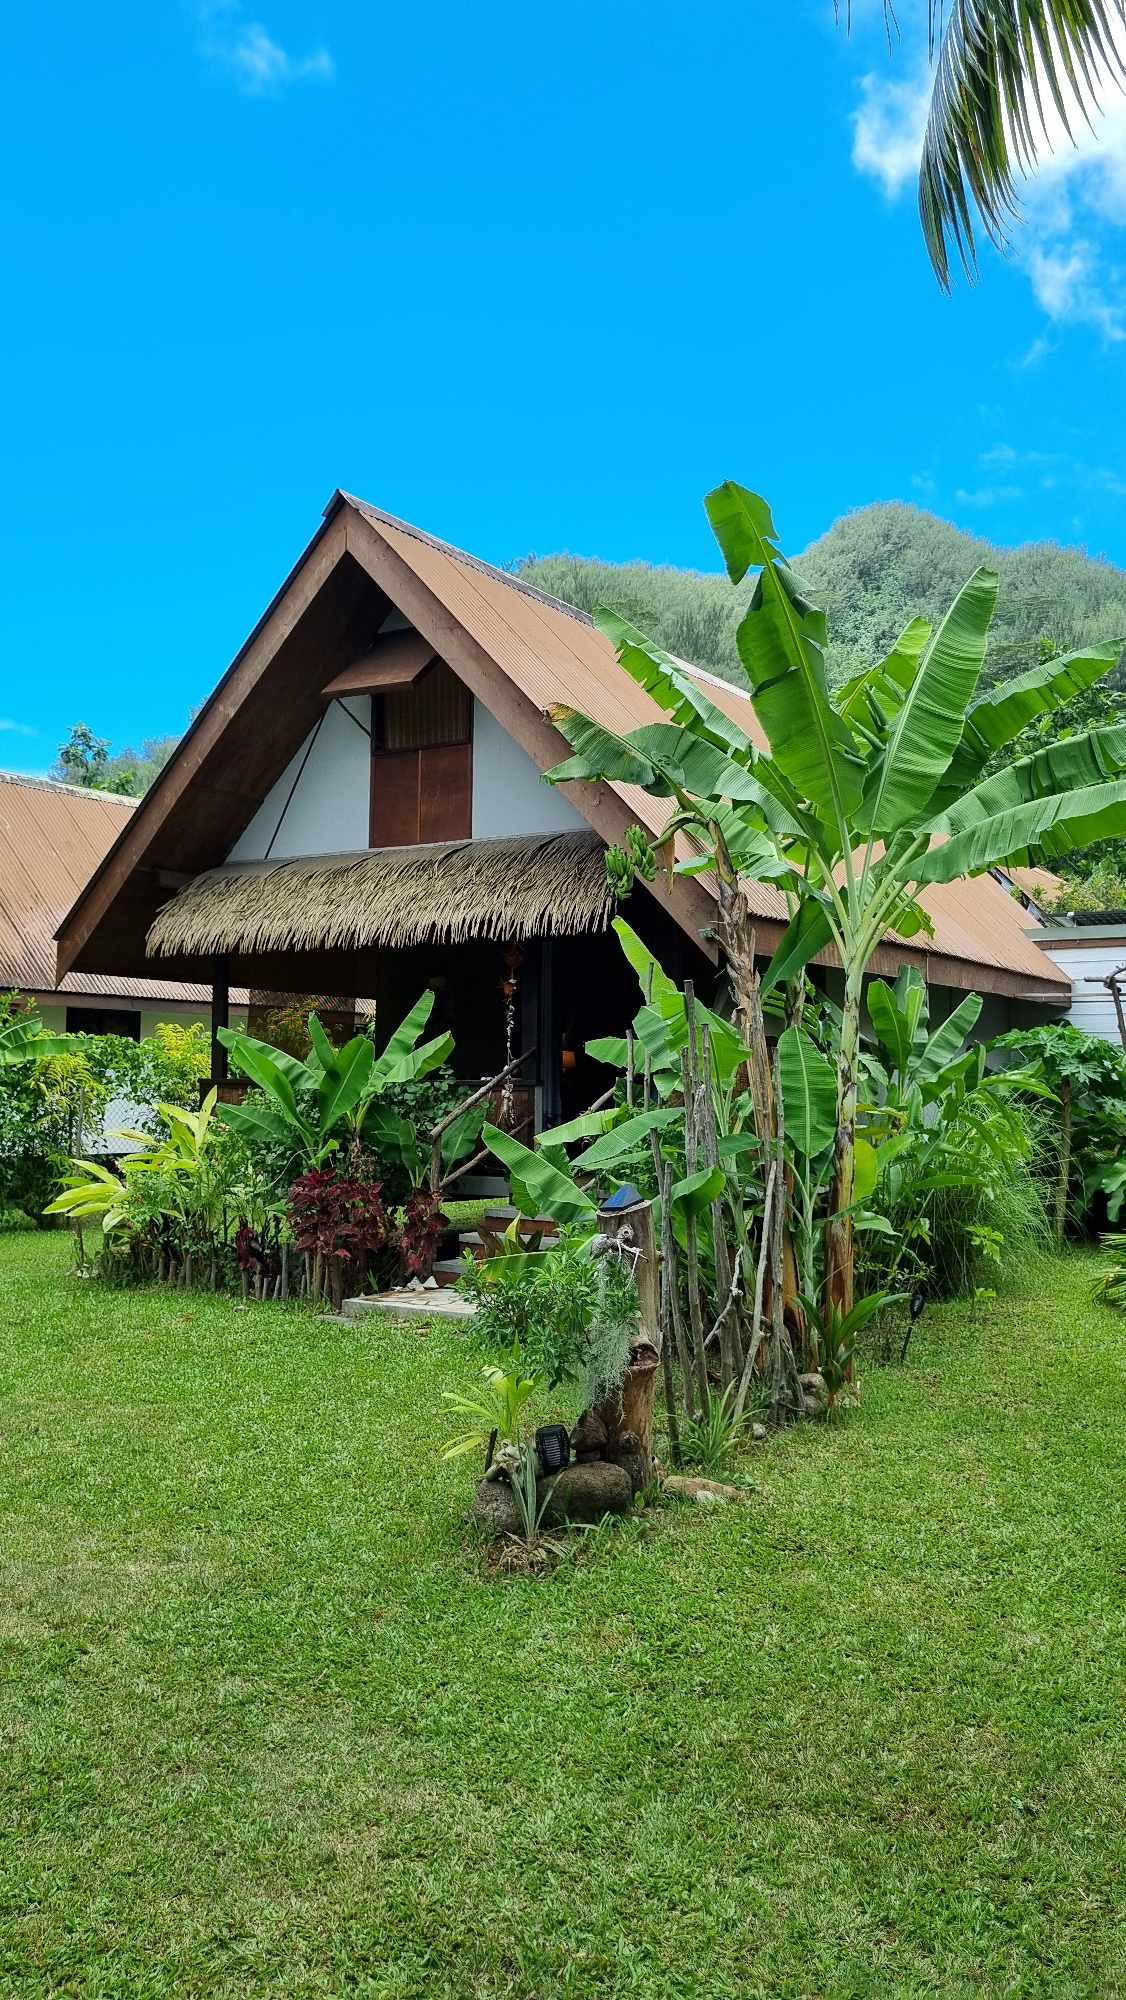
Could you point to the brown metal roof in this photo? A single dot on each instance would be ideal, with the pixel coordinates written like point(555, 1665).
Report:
point(52, 837)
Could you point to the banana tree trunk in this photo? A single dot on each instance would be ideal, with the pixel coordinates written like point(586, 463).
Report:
point(736, 934)
point(840, 1248)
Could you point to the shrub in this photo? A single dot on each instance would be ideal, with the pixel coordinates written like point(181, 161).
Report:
point(338, 1223)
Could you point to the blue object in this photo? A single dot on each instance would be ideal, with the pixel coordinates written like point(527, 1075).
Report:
point(623, 1197)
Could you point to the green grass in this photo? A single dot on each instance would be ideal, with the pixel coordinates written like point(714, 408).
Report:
point(268, 1729)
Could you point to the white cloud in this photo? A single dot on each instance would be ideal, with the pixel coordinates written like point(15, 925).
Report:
point(887, 130)
point(17, 728)
point(260, 66)
point(1070, 206)
point(987, 496)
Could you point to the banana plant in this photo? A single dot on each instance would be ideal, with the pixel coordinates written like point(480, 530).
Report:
point(24, 1041)
point(315, 1106)
point(865, 797)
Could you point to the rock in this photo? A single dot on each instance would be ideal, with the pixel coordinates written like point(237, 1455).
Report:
point(815, 1394)
point(706, 1492)
point(759, 1433)
point(494, 1508)
point(586, 1493)
point(589, 1437)
point(634, 1464)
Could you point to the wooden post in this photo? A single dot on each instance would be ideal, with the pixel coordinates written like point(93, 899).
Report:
point(220, 1017)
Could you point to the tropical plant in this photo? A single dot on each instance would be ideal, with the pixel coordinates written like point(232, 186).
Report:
point(316, 1106)
point(1111, 1288)
point(156, 1182)
point(1088, 1077)
point(836, 1335)
point(500, 1409)
point(23, 1040)
point(1002, 71)
point(866, 797)
point(336, 1223)
point(531, 1505)
point(711, 1438)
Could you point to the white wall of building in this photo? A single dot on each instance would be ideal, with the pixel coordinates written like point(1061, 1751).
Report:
point(328, 813)
point(509, 794)
point(1092, 1007)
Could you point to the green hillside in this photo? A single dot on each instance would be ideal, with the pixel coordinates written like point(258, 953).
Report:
point(873, 570)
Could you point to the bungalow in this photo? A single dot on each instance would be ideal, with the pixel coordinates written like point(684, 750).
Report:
point(51, 837)
point(359, 809)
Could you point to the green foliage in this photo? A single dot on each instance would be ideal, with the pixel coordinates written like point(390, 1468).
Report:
point(711, 1439)
point(315, 1106)
point(85, 760)
point(560, 1314)
point(1101, 890)
point(1094, 1072)
point(502, 1408)
point(46, 1088)
point(1111, 1288)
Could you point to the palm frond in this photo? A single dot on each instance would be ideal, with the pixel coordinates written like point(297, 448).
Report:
point(1002, 65)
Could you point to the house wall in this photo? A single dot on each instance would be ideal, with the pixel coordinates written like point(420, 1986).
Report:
point(509, 794)
point(328, 813)
point(1092, 1008)
point(52, 1013)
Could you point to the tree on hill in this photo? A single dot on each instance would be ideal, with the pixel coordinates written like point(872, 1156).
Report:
point(84, 759)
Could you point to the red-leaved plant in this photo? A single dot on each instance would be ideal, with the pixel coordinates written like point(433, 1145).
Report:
point(336, 1223)
point(423, 1223)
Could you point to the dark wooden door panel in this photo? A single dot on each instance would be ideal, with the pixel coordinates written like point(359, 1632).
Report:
point(445, 805)
point(394, 798)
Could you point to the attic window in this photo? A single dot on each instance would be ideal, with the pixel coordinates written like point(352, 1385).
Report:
point(422, 762)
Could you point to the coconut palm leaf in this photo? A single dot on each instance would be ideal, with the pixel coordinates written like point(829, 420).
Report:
point(1002, 67)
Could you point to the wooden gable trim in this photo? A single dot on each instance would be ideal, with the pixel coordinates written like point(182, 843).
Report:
point(686, 900)
point(327, 548)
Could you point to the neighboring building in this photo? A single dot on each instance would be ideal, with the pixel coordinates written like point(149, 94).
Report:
point(359, 809)
point(1091, 949)
point(52, 838)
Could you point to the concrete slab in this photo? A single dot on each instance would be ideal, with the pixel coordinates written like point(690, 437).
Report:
point(440, 1304)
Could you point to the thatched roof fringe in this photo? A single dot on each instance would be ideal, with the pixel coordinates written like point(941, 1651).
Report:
point(542, 885)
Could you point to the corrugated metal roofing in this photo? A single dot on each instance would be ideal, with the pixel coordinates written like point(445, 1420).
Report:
point(556, 654)
point(52, 837)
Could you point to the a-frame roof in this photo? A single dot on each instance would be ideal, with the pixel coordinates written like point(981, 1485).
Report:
point(520, 652)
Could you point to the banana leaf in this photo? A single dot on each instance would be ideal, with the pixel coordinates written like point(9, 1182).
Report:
point(809, 1093)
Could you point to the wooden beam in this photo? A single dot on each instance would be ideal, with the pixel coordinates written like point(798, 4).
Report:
point(327, 549)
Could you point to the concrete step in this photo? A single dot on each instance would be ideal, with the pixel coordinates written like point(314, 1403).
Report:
point(439, 1304)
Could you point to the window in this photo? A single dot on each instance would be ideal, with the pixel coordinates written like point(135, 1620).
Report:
point(422, 762)
point(103, 1021)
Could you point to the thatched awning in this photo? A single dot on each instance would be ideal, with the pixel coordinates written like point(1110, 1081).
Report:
point(541, 885)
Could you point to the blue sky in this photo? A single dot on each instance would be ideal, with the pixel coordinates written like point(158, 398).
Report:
point(534, 281)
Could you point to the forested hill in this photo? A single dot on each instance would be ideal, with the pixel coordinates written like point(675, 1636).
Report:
point(875, 569)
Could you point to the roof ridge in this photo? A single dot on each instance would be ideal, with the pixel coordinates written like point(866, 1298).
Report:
point(60, 785)
point(463, 556)
point(513, 581)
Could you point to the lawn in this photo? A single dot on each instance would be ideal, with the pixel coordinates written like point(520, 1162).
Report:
point(269, 1729)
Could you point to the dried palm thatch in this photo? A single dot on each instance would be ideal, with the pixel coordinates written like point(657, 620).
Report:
point(542, 885)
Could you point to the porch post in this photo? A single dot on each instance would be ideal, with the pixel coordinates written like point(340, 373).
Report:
point(220, 1016)
point(548, 1039)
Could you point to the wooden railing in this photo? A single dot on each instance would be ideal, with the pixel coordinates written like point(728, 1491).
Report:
point(438, 1180)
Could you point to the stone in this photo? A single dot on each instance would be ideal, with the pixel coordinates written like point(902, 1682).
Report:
point(495, 1510)
point(759, 1433)
point(589, 1437)
point(586, 1493)
point(634, 1464)
point(815, 1394)
point(705, 1492)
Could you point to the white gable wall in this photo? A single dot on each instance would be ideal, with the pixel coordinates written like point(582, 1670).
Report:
point(509, 794)
point(328, 813)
